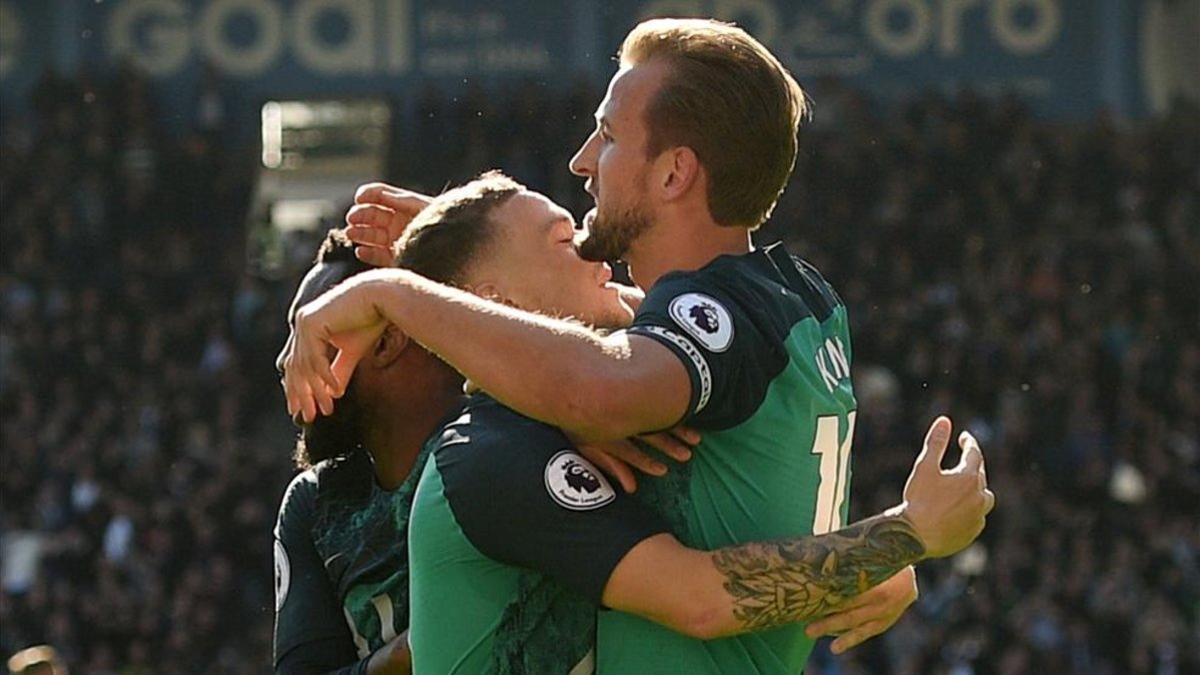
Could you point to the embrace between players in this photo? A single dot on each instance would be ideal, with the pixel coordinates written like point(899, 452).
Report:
point(484, 532)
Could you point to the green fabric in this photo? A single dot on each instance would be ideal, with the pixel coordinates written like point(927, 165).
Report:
point(471, 614)
point(756, 481)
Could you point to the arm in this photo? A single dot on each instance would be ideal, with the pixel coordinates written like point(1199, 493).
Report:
point(762, 585)
point(564, 374)
point(311, 635)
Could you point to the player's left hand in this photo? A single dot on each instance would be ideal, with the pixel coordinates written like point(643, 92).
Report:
point(869, 614)
point(344, 322)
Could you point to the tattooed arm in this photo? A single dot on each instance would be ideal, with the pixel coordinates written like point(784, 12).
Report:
point(761, 585)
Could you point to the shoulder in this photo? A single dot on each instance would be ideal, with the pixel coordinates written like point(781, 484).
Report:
point(484, 435)
point(298, 504)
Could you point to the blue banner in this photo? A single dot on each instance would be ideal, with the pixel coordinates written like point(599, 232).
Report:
point(1068, 57)
point(1057, 54)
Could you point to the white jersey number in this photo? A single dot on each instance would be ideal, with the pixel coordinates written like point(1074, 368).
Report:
point(835, 471)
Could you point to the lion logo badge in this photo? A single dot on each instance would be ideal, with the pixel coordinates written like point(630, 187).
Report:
point(575, 483)
point(703, 318)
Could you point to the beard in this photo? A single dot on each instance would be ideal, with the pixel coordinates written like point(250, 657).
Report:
point(332, 435)
point(612, 233)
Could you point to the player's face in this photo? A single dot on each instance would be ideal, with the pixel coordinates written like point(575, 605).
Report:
point(616, 165)
point(533, 263)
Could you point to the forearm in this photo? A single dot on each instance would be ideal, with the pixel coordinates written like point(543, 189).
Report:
point(794, 580)
point(556, 371)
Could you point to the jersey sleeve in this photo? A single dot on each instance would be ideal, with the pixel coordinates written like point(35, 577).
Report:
point(542, 506)
point(727, 347)
point(306, 606)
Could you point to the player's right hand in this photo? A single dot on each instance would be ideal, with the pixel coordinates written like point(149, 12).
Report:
point(379, 216)
point(947, 508)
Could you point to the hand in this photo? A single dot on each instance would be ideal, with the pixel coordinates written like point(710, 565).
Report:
point(379, 216)
point(618, 459)
point(947, 508)
point(343, 319)
point(393, 658)
point(872, 613)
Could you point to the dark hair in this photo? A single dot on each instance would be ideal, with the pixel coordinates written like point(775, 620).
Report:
point(339, 434)
point(728, 99)
point(444, 239)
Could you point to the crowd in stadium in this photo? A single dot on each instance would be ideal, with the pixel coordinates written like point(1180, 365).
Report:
point(1037, 281)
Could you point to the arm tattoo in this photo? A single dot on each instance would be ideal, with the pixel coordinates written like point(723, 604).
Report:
point(793, 580)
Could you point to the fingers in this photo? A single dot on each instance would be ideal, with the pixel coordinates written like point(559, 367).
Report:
point(375, 256)
point(687, 435)
point(395, 198)
point(856, 637)
point(669, 445)
point(364, 219)
point(621, 471)
point(972, 457)
point(629, 453)
point(936, 440)
point(989, 501)
point(612, 466)
point(836, 624)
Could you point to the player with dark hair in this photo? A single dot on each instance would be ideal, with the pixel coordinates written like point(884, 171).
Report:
point(341, 562)
point(695, 141)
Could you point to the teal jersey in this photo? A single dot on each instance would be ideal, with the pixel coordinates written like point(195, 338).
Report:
point(766, 343)
point(341, 558)
point(513, 537)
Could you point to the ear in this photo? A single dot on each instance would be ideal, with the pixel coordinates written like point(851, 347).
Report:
point(678, 171)
point(389, 347)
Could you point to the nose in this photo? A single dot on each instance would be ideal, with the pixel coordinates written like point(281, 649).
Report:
point(583, 163)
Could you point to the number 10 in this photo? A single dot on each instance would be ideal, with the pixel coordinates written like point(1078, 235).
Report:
point(835, 471)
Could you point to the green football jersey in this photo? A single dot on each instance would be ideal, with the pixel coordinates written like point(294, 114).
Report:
point(767, 345)
point(512, 538)
point(341, 558)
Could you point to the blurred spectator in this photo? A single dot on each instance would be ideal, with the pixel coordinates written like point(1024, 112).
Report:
point(1038, 281)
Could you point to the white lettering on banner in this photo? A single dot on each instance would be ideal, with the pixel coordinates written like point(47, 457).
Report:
point(173, 32)
point(12, 38)
point(250, 59)
point(166, 47)
point(906, 39)
point(1031, 39)
point(353, 55)
point(897, 28)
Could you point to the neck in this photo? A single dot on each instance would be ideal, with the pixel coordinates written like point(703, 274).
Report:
point(396, 430)
point(683, 244)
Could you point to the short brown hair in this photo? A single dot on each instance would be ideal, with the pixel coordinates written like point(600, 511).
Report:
point(732, 102)
point(444, 239)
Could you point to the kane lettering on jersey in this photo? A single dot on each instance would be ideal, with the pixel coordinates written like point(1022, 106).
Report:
point(766, 344)
point(513, 537)
point(341, 558)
